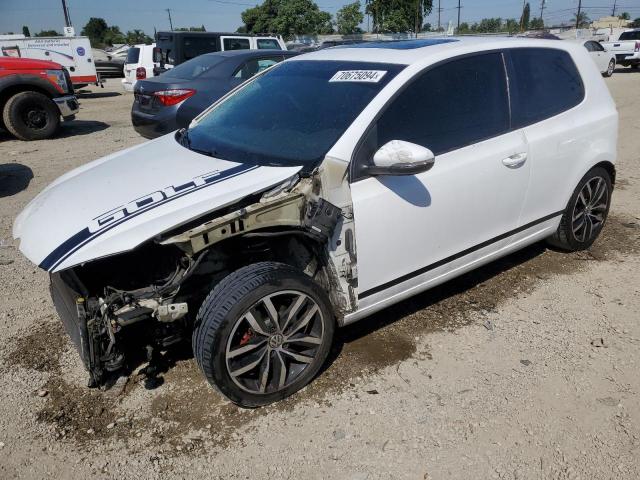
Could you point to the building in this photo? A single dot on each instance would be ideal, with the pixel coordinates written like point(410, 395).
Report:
point(610, 22)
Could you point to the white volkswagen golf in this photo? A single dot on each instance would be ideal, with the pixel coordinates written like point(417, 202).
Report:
point(327, 188)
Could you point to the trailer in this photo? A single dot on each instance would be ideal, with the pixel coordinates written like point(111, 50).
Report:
point(73, 53)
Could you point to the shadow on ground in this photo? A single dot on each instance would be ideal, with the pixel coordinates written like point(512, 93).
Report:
point(86, 94)
point(81, 127)
point(14, 177)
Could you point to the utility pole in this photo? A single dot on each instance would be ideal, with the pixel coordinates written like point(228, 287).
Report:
point(459, 7)
point(417, 27)
point(67, 18)
point(170, 22)
point(439, 11)
point(524, 3)
point(613, 14)
point(578, 14)
point(542, 8)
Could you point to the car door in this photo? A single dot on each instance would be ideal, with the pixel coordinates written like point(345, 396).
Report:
point(603, 57)
point(545, 85)
point(411, 228)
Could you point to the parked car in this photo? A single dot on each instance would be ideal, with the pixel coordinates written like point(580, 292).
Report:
point(174, 48)
point(325, 189)
point(138, 65)
point(34, 94)
point(108, 66)
point(604, 60)
point(626, 48)
point(171, 100)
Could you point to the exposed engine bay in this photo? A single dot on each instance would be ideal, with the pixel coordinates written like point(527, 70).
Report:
point(124, 309)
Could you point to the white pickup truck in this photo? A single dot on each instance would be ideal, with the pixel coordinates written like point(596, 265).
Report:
point(626, 48)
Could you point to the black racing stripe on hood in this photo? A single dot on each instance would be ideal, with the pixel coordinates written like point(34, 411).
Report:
point(83, 237)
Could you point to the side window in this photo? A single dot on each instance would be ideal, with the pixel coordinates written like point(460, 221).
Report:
point(236, 44)
point(194, 46)
point(268, 43)
point(588, 46)
point(448, 107)
point(544, 82)
point(253, 66)
point(597, 47)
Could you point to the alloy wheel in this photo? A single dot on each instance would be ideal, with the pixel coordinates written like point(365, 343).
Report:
point(590, 210)
point(611, 67)
point(274, 341)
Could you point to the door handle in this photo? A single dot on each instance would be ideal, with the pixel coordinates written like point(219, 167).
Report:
point(515, 160)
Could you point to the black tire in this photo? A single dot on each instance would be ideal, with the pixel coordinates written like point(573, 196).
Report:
point(31, 116)
point(635, 65)
point(610, 68)
point(566, 237)
point(221, 316)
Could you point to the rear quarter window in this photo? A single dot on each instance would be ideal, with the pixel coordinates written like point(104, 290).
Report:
point(544, 82)
point(630, 35)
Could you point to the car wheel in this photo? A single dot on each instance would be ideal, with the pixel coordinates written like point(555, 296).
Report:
point(31, 116)
point(610, 68)
point(586, 213)
point(635, 65)
point(263, 333)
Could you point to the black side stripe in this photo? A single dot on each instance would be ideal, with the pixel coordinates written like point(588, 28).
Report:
point(456, 256)
point(80, 239)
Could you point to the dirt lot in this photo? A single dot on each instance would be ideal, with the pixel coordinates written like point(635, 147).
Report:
point(526, 369)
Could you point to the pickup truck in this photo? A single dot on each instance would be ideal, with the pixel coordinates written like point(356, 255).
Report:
point(34, 94)
point(626, 48)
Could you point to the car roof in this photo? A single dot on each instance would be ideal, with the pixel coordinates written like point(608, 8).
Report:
point(407, 52)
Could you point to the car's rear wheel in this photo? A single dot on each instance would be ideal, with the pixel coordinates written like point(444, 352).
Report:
point(610, 68)
point(586, 212)
point(31, 116)
point(263, 333)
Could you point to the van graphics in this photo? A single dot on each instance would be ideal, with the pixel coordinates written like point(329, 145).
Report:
point(116, 216)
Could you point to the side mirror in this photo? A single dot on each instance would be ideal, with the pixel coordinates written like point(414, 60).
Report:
point(398, 157)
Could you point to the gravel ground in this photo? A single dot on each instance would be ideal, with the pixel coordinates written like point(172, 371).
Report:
point(525, 369)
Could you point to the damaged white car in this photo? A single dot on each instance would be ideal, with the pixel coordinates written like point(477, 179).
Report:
point(324, 189)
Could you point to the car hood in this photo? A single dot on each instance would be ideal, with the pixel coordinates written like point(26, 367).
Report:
point(116, 203)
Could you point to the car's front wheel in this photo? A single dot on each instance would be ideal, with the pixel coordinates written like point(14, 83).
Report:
point(610, 68)
point(263, 333)
point(31, 116)
point(586, 212)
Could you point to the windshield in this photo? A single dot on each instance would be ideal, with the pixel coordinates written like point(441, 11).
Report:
point(292, 115)
point(193, 68)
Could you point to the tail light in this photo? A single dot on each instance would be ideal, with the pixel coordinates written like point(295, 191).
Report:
point(173, 97)
point(141, 73)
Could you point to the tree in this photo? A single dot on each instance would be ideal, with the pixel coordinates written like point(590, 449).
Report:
point(113, 35)
point(464, 28)
point(624, 16)
point(426, 27)
point(536, 24)
point(287, 18)
point(524, 19)
point(635, 23)
point(95, 30)
point(48, 33)
point(348, 19)
point(582, 20)
point(135, 37)
point(511, 25)
point(398, 15)
point(25, 31)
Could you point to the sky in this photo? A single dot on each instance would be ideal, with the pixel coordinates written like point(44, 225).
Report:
point(224, 15)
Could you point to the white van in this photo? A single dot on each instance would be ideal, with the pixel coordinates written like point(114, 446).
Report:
point(138, 65)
